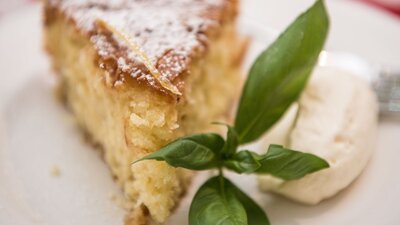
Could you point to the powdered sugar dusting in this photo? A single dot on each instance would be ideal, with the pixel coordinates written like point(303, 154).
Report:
point(169, 32)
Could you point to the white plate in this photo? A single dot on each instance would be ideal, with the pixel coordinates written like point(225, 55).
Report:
point(36, 134)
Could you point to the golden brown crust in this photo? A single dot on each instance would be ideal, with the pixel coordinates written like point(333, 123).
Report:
point(172, 33)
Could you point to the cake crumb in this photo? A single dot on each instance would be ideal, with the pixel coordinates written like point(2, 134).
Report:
point(55, 171)
point(120, 201)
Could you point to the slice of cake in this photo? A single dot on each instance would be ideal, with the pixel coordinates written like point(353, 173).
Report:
point(137, 74)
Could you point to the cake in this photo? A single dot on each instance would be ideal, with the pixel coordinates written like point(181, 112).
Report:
point(136, 75)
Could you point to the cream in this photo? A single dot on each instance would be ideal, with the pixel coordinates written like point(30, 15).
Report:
point(336, 120)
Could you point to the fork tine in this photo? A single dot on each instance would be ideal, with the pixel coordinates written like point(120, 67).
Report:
point(387, 88)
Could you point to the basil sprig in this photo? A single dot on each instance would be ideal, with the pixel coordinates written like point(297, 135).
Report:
point(216, 203)
point(278, 161)
point(280, 73)
point(275, 81)
point(219, 201)
point(244, 162)
point(288, 164)
point(195, 152)
point(232, 142)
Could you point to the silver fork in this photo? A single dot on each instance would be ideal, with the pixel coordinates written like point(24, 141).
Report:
point(384, 80)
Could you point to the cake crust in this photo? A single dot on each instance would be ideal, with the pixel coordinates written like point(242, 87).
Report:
point(170, 33)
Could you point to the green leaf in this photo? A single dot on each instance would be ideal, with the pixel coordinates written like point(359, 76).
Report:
point(255, 214)
point(215, 203)
point(280, 73)
point(243, 162)
point(195, 152)
point(231, 143)
point(288, 164)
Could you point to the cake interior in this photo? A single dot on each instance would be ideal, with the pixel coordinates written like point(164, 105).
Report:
point(131, 120)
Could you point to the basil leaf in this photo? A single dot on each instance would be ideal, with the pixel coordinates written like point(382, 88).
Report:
point(216, 203)
point(195, 152)
point(231, 143)
point(288, 164)
point(280, 73)
point(243, 162)
point(255, 214)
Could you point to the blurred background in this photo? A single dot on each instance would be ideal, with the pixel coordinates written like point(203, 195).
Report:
point(367, 28)
point(391, 6)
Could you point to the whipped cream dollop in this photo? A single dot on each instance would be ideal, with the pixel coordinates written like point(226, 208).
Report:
point(336, 120)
